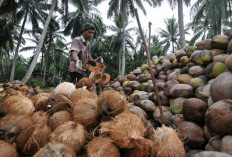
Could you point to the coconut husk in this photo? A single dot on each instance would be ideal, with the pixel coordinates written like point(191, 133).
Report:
point(33, 138)
point(86, 82)
point(167, 143)
point(111, 103)
point(102, 147)
point(16, 103)
point(93, 96)
point(58, 118)
point(105, 78)
point(124, 129)
point(39, 117)
point(7, 150)
point(40, 101)
point(12, 124)
point(66, 88)
point(97, 77)
point(58, 102)
point(70, 133)
point(85, 111)
point(210, 154)
point(79, 93)
point(55, 150)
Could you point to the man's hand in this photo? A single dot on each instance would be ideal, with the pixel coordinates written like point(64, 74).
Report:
point(99, 59)
point(79, 65)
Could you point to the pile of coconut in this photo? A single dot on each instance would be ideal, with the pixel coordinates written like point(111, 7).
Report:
point(195, 90)
point(76, 122)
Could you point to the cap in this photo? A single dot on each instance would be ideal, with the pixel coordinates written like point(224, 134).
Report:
point(88, 26)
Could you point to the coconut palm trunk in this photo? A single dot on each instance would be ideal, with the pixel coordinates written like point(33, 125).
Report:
point(123, 38)
point(17, 48)
point(38, 48)
point(1, 2)
point(181, 23)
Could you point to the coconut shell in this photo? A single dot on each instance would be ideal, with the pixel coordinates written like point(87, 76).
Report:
point(204, 44)
point(58, 118)
point(202, 57)
point(138, 111)
point(181, 90)
point(40, 101)
point(167, 143)
point(210, 154)
point(214, 69)
point(124, 129)
point(137, 71)
point(163, 98)
point(203, 92)
point(166, 113)
point(176, 105)
point(116, 84)
point(65, 88)
point(147, 105)
point(184, 78)
point(55, 150)
point(79, 93)
point(7, 150)
point(216, 52)
point(198, 81)
point(226, 144)
point(168, 85)
point(218, 117)
point(88, 82)
point(220, 41)
point(229, 62)
point(177, 119)
point(196, 71)
point(102, 147)
point(220, 58)
point(85, 111)
point(111, 103)
point(71, 133)
point(214, 144)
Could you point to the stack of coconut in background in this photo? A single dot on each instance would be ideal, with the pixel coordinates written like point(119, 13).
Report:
point(195, 90)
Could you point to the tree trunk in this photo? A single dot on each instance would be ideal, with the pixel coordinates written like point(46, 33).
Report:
point(3, 69)
point(17, 48)
point(1, 1)
point(38, 48)
point(230, 11)
point(181, 23)
point(173, 51)
point(123, 37)
point(120, 62)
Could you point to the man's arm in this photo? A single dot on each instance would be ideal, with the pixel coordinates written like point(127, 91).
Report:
point(75, 55)
point(90, 58)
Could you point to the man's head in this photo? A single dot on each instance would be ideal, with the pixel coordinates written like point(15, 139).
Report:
point(88, 31)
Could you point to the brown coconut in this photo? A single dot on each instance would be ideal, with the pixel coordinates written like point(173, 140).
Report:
point(196, 71)
point(40, 101)
point(147, 105)
point(214, 144)
point(204, 44)
point(100, 146)
point(79, 93)
point(220, 58)
point(124, 129)
point(181, 90)
point(131, 77)
point(210, 154)
point(71, 133)
point(58, 118)
point(167, 114)
point(194, 110)
point(208, 133)
point(12, 125)
point(168, 85)
point(7, 150)
point(228, 62)
point(226, 144)
point(218, 117)
point(111, 103)
point(177, 119)
point(163, 98)
point(220, 41)
point(85, 111)
point(65, 88)
point(55, 150)
point(167, 143)
point(16, 103)
point(139, 112)
point(192, 134)
point(88, 82)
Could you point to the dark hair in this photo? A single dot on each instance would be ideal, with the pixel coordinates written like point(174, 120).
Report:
point(88, 26)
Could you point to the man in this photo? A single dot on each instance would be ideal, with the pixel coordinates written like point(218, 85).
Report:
point(80, 53)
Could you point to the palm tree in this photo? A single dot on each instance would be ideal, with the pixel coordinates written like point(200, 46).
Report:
point(32, 10)
point(170, 35)
point(38, 48)
point(125, 7)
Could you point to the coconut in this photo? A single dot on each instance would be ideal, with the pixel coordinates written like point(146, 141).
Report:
point(196, 70)
point(115, 84)
point(16, 104)
point(40, 101)
point(192, 134)
point(138, 111)
point(208, 133)
point(135, 85)
point(12, 124)
point(184, 78)
point(214, 69)
point(102, 147)
point(58, 118)
point(65, 88)
point(163, 98)
point(177, 119)
point(204, 44)
point(228, 33)
point(141, 149)
point(210, 154)
point(220, 41)
point(229, 62)
point(179, 54)
point(105, 78)
point(85, 111)
point(162, 77)
point(160, 86)
point(89, 82)
point(166, 115)
point(128, 90)
point(147, 105)
point(219, 116)
point(111, 102)
point(173, 76)
point(220, 58)
point(221, 87)
point(35, 136)
point(184, 60)
point(171, 57)
point(176, 105)
point(229, 48)
point(58, 102)
point(144, 67)
point(79, 93)
point(216, 52)
point(147, 87)
point(202, 57)
point(190, 49)
point(137, 71)
point(198, 81)
point(214, 144)
point(70, 133)
point(124, 129)
point(194, 110)
point(55, 150)
point(203, 92)
point(167, 143)
point(7, 150)
point(181, 90)
point(168, 85)
point(131, 77)
point(226, 144)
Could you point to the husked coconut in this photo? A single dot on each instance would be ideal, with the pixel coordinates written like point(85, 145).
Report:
point(7, 150)
point(40, 101)
point(226, 144)
point(101, 146)
point(214, 144)
point(111, 103)
point(58, 118)
point(71, 133)
point(85, 111)
point(167, 143)
point(219, 116)
point(65, 88)
point(124, 129)
point(55, 150)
